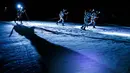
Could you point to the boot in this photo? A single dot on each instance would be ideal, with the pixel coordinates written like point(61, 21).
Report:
point(94, 27)
point(62, 24)
point(82, 27)
point(57, 23)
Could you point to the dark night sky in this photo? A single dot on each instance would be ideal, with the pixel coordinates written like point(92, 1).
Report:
point(48, 9)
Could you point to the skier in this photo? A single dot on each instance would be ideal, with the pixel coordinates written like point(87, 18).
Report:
point(87, 17)
point(61, 16)
point(93, 18)
point(20, 12)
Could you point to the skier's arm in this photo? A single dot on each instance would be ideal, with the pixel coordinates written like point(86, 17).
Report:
point(66, 13)
point(24, 11)
point(85, 12)
point(85, 20)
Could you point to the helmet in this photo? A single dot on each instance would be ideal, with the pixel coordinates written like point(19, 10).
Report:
point(93, 10)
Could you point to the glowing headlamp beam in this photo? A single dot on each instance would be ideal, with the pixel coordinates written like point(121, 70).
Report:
point(19, 6)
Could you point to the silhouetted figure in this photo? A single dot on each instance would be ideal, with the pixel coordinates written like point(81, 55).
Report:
point(20, 12)
point(93, 18)
point(61, 16)
point(87, 17)
point(90, 18)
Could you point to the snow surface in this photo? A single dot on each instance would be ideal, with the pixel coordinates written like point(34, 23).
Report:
point(107, 45)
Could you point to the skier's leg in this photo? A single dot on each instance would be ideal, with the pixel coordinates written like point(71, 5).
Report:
point(85, 23)
point(16, 19)
point(20, 19)
point(89, 23)
point(62, 21)
point(94, 24)
point(58, 21)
